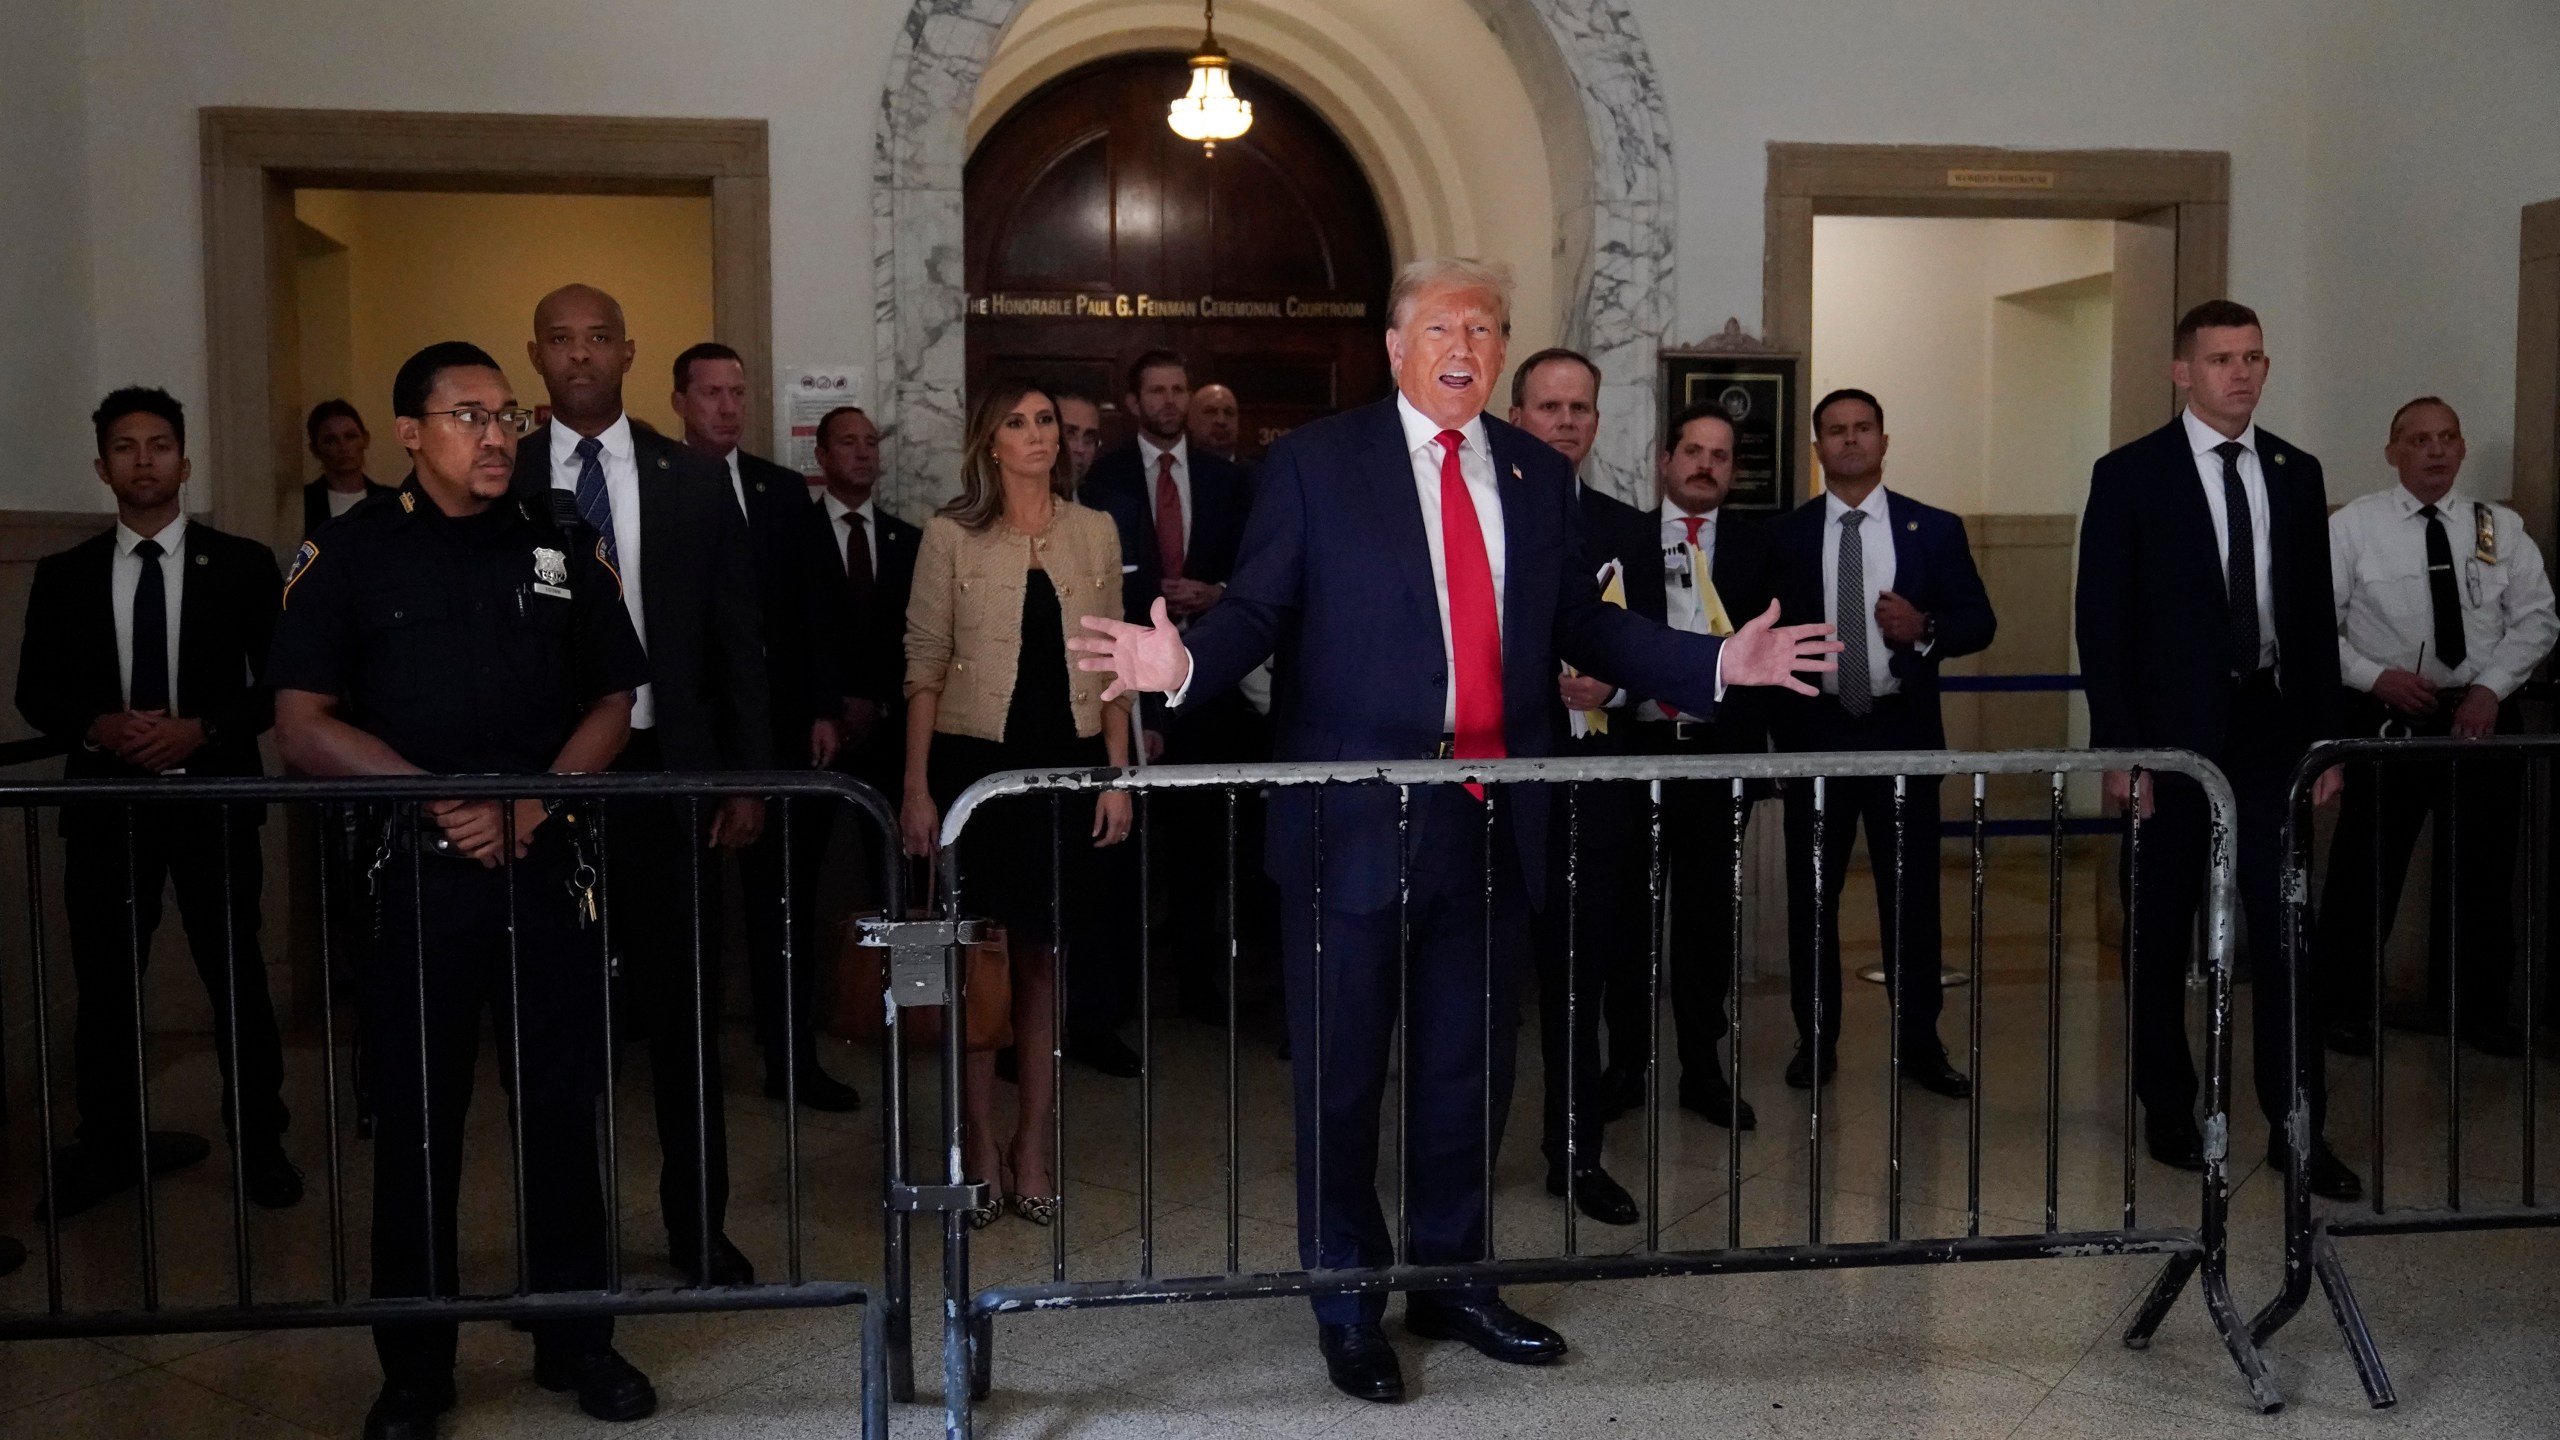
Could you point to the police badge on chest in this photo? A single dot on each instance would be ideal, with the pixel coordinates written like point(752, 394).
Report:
point(550, 572)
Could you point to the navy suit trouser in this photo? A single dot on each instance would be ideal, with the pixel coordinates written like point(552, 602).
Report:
point(1466, 948)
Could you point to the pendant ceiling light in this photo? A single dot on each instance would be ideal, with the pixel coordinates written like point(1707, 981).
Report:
point(1211, 112)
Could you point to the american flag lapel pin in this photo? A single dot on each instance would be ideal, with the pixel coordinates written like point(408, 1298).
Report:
point(1516, 475)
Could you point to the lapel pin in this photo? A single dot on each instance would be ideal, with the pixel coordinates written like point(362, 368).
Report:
point(1516, 475)
point(1910, 524)
point(662, 462)
point(2279, 457)
point(203, 559)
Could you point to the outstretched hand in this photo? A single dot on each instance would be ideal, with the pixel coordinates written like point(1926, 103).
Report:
point(1765, 652)
point(1148, 658)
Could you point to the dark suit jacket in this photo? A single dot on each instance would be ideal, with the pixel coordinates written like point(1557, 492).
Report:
point(698, 593)
point(315, 503)
point(796, 578)
point(1121, 486)
point(2150, 612)
point(1932, 568)
point(1335, 574)
point(67, 662)
point(875, 642)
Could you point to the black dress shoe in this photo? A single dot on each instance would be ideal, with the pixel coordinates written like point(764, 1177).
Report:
point(817, 1089)
point(85, 1174)
point(1800, 1069)
point(1711, 1099)
point(1360, 1362)
point(1596, 1194)
point(272, 1180)
point(1107, 1053)
point(609, 1387)
point(2329, 1176)
point(1932, 1073)
point(729, 1265)
point(405, 1411)
point(12, 1255)
point(1621, 1092)
point(2348, 1037)
point(2177, 1144)
point(1494, 1329)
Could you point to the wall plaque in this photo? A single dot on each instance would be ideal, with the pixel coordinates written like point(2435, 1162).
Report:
point(1756, 388)
point(2000, 179)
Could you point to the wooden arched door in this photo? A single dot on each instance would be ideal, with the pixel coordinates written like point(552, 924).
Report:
point(1094, 234)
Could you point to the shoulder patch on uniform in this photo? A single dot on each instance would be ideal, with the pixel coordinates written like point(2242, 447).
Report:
point(302, 559)
point(606, 561)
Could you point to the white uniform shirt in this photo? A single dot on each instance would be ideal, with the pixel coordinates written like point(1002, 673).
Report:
point(2386, 610)
point(2202, 438)
point(1875, 553)
point(122, 579)
point(622, 490)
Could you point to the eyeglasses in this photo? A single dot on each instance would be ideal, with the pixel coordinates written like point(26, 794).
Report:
point(516, 421)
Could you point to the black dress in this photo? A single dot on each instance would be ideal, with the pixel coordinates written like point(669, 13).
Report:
point(1005, 852)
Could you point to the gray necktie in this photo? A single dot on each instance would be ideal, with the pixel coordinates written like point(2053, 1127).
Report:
point(1849, 616)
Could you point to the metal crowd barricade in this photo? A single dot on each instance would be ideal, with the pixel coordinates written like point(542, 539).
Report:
point(2196, 1252)
point(884, 1326)
point(2311, 1235)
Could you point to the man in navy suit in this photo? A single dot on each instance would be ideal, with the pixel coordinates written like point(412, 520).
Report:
point(1417, 567)
point(1896, 579)
point(805, 691)
point(1181, 510)
point(2207, 622)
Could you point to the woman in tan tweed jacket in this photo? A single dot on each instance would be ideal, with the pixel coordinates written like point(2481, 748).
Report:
point(1006, 573)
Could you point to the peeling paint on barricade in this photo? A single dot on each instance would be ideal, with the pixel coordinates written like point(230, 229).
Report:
point(2217, 1137)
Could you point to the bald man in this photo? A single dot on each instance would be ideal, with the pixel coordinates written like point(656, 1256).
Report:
point(1217, 424)
point(674, 535)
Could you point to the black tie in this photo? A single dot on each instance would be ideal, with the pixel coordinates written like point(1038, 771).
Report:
point(2240, 565)
point(2450, 648)
point(150, 690)
point(858, 576)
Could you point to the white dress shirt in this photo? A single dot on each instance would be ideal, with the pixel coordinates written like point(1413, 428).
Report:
point(1875, 551)
point(1149, 448)
point(342, 501)
point(2386, 609)
point(126, 574)
point(2201, 438)
point(622, 491)
point(1475, 465)
point(1684, 604)
point(737, 485)
point(836, 511)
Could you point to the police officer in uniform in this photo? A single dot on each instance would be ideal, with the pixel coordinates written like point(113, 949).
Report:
point(457, 628)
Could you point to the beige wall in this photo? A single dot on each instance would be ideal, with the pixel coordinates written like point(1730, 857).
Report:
point(421, 267)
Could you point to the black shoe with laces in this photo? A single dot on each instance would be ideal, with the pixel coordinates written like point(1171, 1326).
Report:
point(272, 1179)
point(2176, 1143)
point(1708, 1097)
point(2330, 1179)
point(729, 1265)
point(609, 1387)
point(1596, 1194)
point(1360, 1362)
point(1800, 1069)
point(1493, 1329)
point(816, 1089)
point(1105, 1052)
point(1930, 1071)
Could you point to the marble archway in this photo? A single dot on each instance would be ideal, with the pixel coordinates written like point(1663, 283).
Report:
point(1609, 139)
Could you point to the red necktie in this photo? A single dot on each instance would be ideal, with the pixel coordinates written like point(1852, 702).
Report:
point(1695, 523)
point(1168, 517)
point(1475, 628)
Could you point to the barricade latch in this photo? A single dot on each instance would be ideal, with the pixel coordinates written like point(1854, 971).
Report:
point(938, 1198)
point(917, 951)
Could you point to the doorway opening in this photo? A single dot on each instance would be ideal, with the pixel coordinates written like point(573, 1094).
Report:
point(1094, 234)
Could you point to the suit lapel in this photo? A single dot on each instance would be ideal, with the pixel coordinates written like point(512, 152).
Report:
point(194, 616)
point(1519, 524)
point(2275, 469)
point(1910, 562)
point(97, 643)
point(658, 512)
point(2182, 499)
point(1396, 505)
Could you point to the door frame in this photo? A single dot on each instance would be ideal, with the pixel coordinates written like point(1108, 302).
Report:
point(2184, 192)
point(255, 158)
point(2537, 437)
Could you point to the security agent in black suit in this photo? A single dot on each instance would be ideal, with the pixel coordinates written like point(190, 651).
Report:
point(796, 579)
point(1897, 578)
point(1181, 512)
point(687, 571)
point(144, 654)
point(2206, 623)
point(462, 628)
point(873, 558)
point(1710, 570)
point(1590, 952)
point(338, 439)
